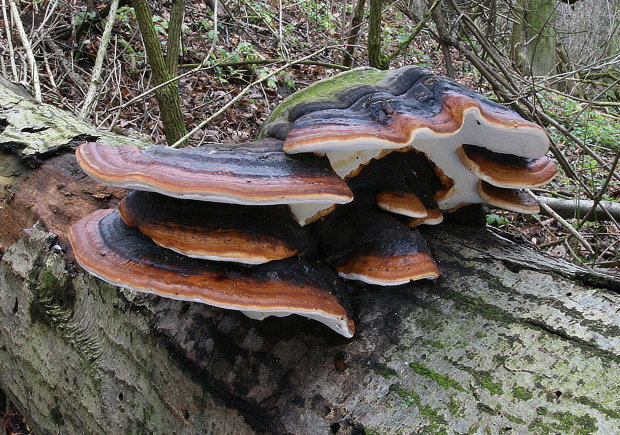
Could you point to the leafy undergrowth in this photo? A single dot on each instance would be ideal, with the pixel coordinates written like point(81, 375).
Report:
point(236, 48)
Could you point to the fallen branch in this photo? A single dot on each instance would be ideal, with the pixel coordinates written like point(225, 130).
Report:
point(578, 208)
point(438, 355)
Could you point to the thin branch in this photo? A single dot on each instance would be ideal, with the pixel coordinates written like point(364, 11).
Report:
point(276, 34)
point(94, 88)
point(599, 195)
point(242, 93)
point(206, 66)
point(489, 49)
point(581, 144)
point(9, 40)
point(417, 29)
point(249, 62)
point(548, 210)
point(17, 22)
point(49, 12)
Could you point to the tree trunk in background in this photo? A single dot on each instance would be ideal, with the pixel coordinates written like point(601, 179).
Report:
point(175, 26)
point(376, 57)
point(444, 37)
point(611, 46)
point(540, 36)
point(490, 30)
point(505, 338)
point(517, 48)
point(167, 96)
point(356, 22)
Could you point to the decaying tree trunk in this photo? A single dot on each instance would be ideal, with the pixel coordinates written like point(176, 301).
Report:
point(506, 338)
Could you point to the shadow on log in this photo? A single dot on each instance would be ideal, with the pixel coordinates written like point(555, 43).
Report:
point(507, 339)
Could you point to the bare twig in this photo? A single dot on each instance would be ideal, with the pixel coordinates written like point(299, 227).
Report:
point(548, 210)
point(242, 93)
point(580, 143)
point(277, 35)
point(62, 58)
point(17, 22)
point(49, 12)
point(94, 87)
point(251, 62)
point(205, 65)
point(569, 248)
point(599, 195)
point(9, 40)
point(418, 28)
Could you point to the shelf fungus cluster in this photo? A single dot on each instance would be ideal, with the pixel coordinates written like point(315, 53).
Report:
point(331, 190)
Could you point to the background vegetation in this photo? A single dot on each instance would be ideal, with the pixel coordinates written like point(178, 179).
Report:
point(232, 61)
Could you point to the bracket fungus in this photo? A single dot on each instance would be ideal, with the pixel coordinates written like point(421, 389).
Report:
point(215, 231)
point(109, 249)
point(258, 173)
point(408, 107)
point(338, 176)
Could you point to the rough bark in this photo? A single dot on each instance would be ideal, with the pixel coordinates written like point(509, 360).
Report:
point(177, 11)
point(167, 96)
point(505, 338)
point(376, 57)
point(540, 34)
point(356, 22)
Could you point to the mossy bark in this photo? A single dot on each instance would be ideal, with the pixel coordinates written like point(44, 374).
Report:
point(494, 343)
point(167, 96)
point(505, 338)
point(376, 57)
point(540, 35)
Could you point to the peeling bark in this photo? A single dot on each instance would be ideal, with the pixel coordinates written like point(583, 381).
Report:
point(35, 131)
point(506, 338)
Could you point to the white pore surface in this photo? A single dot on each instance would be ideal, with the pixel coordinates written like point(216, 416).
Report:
point(368, 280)
point(319, 197)
point(338, 324)
point(347, 155)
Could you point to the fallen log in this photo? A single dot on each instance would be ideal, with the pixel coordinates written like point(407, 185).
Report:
point(506, 339)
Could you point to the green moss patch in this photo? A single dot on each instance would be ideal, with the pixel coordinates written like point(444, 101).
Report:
point(521, 393)
point(565, 423)
point(443, 380)
point(432, 415)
